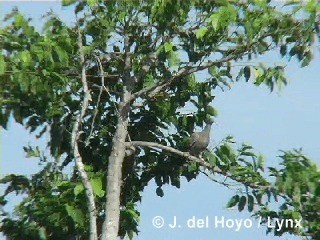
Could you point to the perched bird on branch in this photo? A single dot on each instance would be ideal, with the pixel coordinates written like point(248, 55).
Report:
point(199, 141)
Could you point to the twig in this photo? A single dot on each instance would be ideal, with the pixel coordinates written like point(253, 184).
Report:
point(215, 180)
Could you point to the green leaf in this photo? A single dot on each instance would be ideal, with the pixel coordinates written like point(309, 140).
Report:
point(149, 80)
point(296, 215)
point(2, 65)
point(294, 50)
point(223, 17)
point(62, 183)
point(201, 32)
point(19, 20)
point(56, 132)
point(97, 186)
point(250, 203)
point(260, 3)
point(260, 163)
point(88, 168)
point(247, 73)
point(62, 55)
point(215, 20)
point(225, 149)
point(233, 201)
point(193, 167)
point(212, 71)
point(92, 2)
point(76, 214)
point(78, 189)
point(211, 111)
point(133, 213)
point(25, 56)
point(211, 158)
point(42, 233)
point(257, 72)
point(173, 59)
point(312, 6)
point(130, 235)
point(283, 50)
point(159, 192)
point(68, 2)
point(258, 197)
point(242, 203)
point(168, 47)
point(306, 60)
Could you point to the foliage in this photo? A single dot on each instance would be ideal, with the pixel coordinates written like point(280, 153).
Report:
point(171, 44)
point(297, 183)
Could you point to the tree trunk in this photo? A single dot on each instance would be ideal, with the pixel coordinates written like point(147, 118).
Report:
point(114, 177)
point(110, 226)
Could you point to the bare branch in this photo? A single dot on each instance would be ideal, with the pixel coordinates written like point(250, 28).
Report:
point(74, 141)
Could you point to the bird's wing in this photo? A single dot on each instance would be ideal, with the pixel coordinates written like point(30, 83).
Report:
point(194, 138)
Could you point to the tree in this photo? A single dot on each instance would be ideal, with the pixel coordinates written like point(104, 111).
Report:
point(110, 90)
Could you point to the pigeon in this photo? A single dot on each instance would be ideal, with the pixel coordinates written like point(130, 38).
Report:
point(199, 141)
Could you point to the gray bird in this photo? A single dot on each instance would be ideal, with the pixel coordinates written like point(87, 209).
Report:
point(199, 141)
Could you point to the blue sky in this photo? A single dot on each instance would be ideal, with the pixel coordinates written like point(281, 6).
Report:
point(269, 121)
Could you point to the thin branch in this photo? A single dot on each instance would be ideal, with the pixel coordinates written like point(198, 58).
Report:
point(215, 180)
point(101, 73)
point(8, 72)
point(75, 139)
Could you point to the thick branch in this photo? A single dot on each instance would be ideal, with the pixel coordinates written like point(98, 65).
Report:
point(74, 141)
point(202, 162)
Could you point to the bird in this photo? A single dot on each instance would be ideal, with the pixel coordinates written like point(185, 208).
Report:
point(199, 141)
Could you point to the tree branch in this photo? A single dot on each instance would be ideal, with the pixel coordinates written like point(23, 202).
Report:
point(159, 86)
point(175, 151)
point(200, 161)
point(74, 141)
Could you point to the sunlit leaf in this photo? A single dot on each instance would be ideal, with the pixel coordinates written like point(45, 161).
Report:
point(233, 201)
